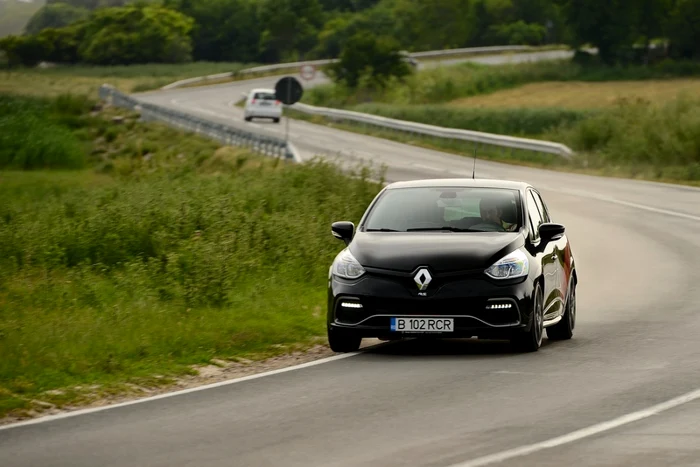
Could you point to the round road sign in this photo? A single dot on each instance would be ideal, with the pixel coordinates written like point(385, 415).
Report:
point(288, 90)
point(308, 72)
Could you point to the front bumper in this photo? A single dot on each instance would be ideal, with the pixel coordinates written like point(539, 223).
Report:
point(479, 307)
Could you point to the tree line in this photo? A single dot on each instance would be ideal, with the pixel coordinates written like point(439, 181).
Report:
point(113, 32)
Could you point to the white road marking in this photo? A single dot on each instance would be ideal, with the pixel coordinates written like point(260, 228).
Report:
point(432, 169)
point(76, 413)
point(583, 433)
point(585, 194)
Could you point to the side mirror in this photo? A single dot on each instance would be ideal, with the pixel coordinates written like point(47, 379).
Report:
point(551, 231)
point(343, 230)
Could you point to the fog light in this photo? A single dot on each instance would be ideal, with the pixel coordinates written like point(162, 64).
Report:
point(351, 305)
point(499, 306)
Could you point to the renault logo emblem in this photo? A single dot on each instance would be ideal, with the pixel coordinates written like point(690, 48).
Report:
point(422, 279)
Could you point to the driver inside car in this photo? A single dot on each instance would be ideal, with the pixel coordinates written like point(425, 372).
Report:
point(492, 212)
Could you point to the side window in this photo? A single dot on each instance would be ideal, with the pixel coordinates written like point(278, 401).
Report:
point(534, 214)
point(544, 212)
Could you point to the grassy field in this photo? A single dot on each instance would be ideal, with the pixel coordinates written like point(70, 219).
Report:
point(580, 95)
point(163, 251)
point(84, 80)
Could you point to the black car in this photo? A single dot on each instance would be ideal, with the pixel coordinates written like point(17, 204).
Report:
point(452, 258)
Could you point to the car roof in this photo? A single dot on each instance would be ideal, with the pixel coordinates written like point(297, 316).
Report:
point(461, 183)
point(262, 90)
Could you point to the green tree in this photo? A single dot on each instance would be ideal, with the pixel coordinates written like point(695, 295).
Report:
point(347, 5)
point(137, 33)
point(55, 15)
point(374, 58)
point(64, 43)
point(610, 25)
point(342, 26)
point(25, 50)
point(684, 29)
point(290, 28)
point(90, 4)
point(517, 33)
point(224, 30)
point(438, 24)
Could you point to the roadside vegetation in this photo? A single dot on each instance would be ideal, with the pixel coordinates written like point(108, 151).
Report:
point(86, 80)
point(130, 252)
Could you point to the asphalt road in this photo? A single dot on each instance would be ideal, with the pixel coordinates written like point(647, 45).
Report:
point(451, 403)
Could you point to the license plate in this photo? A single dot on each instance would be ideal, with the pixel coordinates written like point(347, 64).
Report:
point(265, 103)
point(422, 324)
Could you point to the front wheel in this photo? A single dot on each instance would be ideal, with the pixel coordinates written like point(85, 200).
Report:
point(341, 340)
point(564, 329)
point(531, 340)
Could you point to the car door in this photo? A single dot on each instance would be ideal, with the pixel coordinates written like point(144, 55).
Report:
point(549, 259)
point(560, 249)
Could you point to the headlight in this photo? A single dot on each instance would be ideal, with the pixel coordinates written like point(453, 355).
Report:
point(345, 265)
point(510, 266)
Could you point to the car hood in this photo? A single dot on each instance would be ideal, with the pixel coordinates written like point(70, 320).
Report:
point(441, 251)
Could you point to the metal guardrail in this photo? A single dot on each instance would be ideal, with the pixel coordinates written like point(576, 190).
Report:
point(226, 134)
point(491, 139)
point(503, 141)
point(284, 66)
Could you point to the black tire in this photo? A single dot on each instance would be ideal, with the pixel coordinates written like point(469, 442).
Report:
point(248, 119)
point(342, 341)
point(276, 120)
point(564, 329)
point(531, 340)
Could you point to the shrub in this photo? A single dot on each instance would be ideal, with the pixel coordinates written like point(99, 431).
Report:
point(32, 135)
point(638, 133)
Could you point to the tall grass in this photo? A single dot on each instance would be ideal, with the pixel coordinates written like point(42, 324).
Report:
point(35, 133)
point(104, 281)
point(443, 84)
point(167, 252)
point(642, 136)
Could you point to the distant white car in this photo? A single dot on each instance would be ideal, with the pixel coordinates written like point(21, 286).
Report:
point(262, 103)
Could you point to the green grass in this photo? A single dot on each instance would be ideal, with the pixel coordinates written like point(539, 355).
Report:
point(35, 133)
point(165, 252)
point(662, 141)
point(86, 80)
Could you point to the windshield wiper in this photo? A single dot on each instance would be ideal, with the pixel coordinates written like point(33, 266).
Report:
point(448, 228)
point(381, 230)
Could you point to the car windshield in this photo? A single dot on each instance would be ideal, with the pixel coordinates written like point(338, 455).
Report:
point(266, 96)
point(445, 209)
